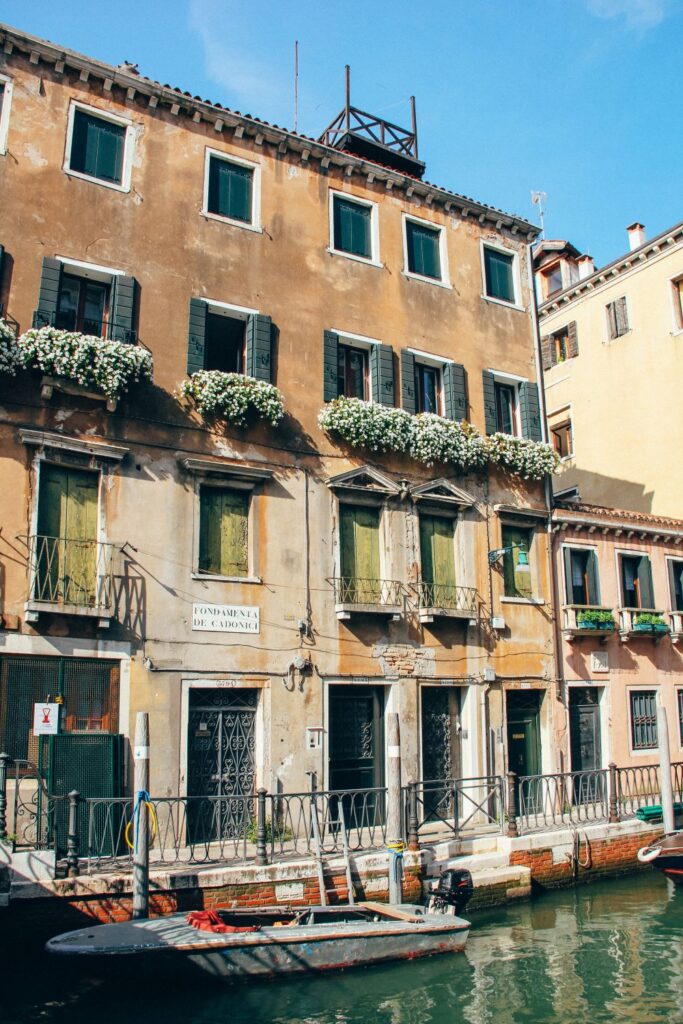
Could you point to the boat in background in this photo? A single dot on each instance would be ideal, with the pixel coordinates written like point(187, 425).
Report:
point(666, 855)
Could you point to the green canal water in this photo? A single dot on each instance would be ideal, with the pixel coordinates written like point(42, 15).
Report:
point(606, 952)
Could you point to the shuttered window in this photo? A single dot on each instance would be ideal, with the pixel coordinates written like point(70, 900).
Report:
point(231, 189)
point(437, 550)
point(636, 581)
point(506, 406)
point(359, 543)
point(679, 698)
point(66, 545)
point(352, 227)
point(223, 517)
point(498, 272)
point(617, 316)
point(352, 372)
point(581, 576)
point(643, 719)
point(97, 147)
point(428, 389)
point(517, 539)
point(423, 250)
point(676, 584)
point(229, 343)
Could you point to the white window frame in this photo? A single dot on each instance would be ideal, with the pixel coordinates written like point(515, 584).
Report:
point(437, 363)
point(576, 546)
point(631, 553)
point(670, 592)
point(635, 688)
point(128, 145)
point(442, 282)
point(516, 275)
point(535, 569)
point(226, 483)
point(374, 259)
point(359, 341)
point(89, 271)
point(4, 116)
point(676, 292)
point(228, 158)
point(499, 377)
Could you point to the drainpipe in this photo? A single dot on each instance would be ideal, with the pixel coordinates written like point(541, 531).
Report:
point(557, 637)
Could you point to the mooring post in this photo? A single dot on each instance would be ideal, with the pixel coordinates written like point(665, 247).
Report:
point(141, 818)
point(665, 768)
point(613, 794)
point(413, 824)
point(4, 771)
point(261, 834)
point(394, 829)
point(513, 831)
point(74, 798)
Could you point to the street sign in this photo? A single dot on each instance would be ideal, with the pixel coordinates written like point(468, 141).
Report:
point(225, 618)
point(45, 719)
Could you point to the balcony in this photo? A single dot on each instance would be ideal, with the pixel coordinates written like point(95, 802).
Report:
point(112, 330)
point(676, 626)
point(445, 601)
point(356, 596)
point(70, 577)
point(578, 621)
point(632, 626)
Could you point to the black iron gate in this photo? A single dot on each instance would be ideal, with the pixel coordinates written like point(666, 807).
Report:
point(220, 763)
point(440, 719)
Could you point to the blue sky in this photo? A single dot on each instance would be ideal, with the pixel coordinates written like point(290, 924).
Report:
point(578, 98)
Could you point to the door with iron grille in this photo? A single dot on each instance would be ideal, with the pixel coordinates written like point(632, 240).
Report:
point(357, 750)
point(220, 762)
point(584, 733)
point(440, 749)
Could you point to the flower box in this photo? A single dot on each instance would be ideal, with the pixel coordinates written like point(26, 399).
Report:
point(233, 397)
point(594, 624)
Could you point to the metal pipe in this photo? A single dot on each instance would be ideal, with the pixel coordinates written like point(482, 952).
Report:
point(413, 116)
point(394, 823)
point(347, 75)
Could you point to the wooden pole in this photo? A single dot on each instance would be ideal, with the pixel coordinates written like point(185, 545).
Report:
point(665, 768)
point(394, 816)
point(141, 818)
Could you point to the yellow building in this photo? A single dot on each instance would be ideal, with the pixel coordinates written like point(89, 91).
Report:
point(612, 342)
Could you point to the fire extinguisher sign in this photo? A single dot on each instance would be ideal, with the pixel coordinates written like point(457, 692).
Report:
point(45, 719)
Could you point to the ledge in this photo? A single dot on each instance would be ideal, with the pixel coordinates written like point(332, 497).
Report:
point(427, 615)
point(50, 384)
point(40, 439)
point(346, 611)
point(33, 609)
point(235, 470)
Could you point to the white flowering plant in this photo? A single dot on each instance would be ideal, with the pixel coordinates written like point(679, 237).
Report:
point(95, 363)
point(430, 439)
point(234, 397)
point(9, 353)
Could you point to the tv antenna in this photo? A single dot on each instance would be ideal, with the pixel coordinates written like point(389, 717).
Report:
point(540, 200)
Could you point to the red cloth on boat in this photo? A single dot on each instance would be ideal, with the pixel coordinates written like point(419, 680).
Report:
point(210, 921)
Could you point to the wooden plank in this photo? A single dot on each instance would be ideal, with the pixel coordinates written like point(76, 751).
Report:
point(388, 911)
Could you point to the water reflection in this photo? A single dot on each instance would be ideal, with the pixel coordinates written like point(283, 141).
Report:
point(600, 953)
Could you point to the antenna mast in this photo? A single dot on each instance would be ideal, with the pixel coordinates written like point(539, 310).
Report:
point(296, 85)
point(539, 198)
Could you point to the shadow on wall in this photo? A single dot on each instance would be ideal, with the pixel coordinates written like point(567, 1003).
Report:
point(598, 489)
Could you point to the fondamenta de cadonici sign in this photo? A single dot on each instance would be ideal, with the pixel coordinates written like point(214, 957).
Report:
point(225, 618)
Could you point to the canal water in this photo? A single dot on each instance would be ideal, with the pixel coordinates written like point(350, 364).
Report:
point(606, 952)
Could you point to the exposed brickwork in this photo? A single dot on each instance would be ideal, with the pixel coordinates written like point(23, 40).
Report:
point(603, 858)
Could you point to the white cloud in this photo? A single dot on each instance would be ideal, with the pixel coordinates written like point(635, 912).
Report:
point(638, 14)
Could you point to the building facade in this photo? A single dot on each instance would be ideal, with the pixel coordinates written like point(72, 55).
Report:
point(268, 590)
point(613, 369)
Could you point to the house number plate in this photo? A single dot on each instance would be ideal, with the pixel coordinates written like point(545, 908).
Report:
point(225, 618)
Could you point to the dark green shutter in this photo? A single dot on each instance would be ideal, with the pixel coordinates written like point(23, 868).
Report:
point(676, 585)
point(593, 578)
point(48, 296)
point(647, 598)
point(530, 410)
point(330, 367)
point(408, 381)
point(196, 337)
point(122, 309)
point(382, 373)
point(455, 391)
point(489, 402)
point(259, 344)
point(573, 339)
point(568, 576)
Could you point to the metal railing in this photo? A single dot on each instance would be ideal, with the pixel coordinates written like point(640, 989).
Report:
point(354, 590)
point(639, 786)
point(447, 596)
point(98, 327)
point(362, 811)
point(562, 799)
point(450, 806)
point(68, 571)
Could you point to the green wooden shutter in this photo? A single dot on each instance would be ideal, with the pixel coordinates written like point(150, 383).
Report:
point(382, 374)
point(196, 337)
point(516, 584)
point(330, 365)
point(359, 530)
point(223, 532)
point(593, 578)
point(676, 585)
point(210, 530)
point(48, 295)
point(621, 316)
point(259, 344)
point(437, 553)
point(408, 381)
point(455, 391)
point(647, 599)
point(122, 309)
point(573, 339)
point(67, 528)
point(530, 410)
point(489, 402)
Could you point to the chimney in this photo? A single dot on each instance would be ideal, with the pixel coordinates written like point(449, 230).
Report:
point(586, 266)
point(636, 235)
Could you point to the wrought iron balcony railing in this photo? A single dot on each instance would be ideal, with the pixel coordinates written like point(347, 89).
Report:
point(447, 600)
point(113, 330)
point(354, 594)
point(70, 575)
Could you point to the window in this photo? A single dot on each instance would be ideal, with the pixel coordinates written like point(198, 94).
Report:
point(676, 295)
point(562, 439)
point(423, 250)
point(581, 576)
point(506, 408)
point(97, 146)
point(65, 556)
point(617, 318)
point(437, 560)
point(231, 189)
point(679, 698)
point(499, 274)
point(636, 582)
point(223, 531)
point(82, 305)
point(352, 372)
point(561, 345)
point(428, 390)
point(353, 227)
point(517, 581)
point(224, 343)
point(643, 719)
point(5, 101)
point(553, 280)
point(359, 561)
point(676, 585)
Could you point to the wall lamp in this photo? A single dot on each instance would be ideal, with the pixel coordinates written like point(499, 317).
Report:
point(522, 561)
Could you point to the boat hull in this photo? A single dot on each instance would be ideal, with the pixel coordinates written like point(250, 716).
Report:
point(666, 855)
point(168, 944)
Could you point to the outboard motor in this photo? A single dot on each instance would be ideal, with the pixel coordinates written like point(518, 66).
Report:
point(452, 892)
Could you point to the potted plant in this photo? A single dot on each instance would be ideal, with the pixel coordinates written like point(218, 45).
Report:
point(649, 622)
point(595, 618)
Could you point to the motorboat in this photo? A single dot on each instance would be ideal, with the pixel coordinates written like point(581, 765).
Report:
point(665, 855)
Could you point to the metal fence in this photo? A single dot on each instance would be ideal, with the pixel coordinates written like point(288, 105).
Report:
point(444, 808)
point(554, 801)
